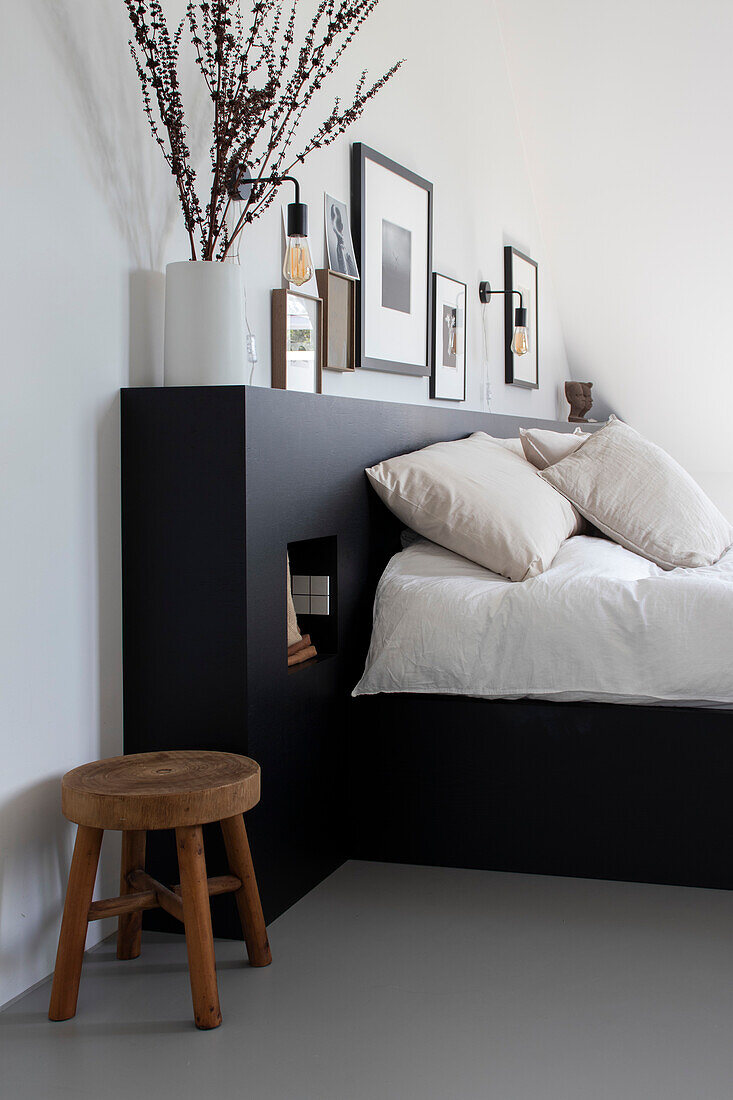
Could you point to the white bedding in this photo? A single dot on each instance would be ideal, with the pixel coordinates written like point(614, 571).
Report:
point(600, 624)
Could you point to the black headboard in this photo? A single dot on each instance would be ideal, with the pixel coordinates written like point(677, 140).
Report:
point(305, 464)
point(217, 482)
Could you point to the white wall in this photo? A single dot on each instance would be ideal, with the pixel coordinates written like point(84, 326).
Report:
point(74, 228)
point(449, 115)
point(88, 212)
point(624, 110)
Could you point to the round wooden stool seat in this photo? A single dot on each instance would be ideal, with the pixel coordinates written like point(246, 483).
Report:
point(160, 790)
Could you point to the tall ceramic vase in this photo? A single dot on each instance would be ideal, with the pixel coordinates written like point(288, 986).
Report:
point(204, 342)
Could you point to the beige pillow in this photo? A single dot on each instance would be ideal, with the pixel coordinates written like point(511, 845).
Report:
point(543, 448)
point(514, 445)
point(480, 500)
point(641, 498)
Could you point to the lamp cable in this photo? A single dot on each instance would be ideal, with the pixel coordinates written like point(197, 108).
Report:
point(251, 344)
point(485, 382)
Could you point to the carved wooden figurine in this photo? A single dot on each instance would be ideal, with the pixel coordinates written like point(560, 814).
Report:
point(579, 398)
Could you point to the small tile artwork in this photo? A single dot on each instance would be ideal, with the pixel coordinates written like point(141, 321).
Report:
point(311, 595)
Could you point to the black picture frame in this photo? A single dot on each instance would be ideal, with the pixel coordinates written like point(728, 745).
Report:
point(510, 303)
point(360, 154)
point(434, 338)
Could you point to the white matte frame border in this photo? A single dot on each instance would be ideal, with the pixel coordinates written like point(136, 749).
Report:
point(437, 381)
point(361, 154)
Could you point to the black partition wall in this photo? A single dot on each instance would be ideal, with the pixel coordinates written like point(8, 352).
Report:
point(217, 483)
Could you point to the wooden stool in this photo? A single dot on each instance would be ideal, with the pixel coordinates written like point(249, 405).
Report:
point(159, 790)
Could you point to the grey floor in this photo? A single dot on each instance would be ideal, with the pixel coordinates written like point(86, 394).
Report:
point(413, 982)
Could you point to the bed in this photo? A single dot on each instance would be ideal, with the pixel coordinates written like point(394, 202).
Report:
point(217, 482)
point(600, 625)
point(576, 717)
point(578, 723)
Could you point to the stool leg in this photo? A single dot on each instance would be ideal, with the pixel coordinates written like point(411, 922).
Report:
point(72, 939)
point(197, 924)
point(248, 897)
point(130, 925)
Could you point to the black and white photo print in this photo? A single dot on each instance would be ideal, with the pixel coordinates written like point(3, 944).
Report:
point(396, 259)
point(450, 323)
point(393, 238)
point(339, 245)
point(448, 374)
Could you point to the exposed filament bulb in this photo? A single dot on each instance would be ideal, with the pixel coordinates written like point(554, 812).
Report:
point(298, 266)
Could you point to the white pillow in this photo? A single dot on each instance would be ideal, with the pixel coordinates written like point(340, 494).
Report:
point(514, 445)
point(480, 500)
point(641, 498)
point(543, 448)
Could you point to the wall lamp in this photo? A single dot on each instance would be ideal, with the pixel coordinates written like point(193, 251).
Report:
point(520, 337)
point(298, 265)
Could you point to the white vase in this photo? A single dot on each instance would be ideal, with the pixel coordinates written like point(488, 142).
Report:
point(204, 341)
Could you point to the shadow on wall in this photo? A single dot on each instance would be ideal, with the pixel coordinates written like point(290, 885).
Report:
point(109, 572)
point(109, 623)
point(34, 863)
point(147, 313)
point(35, 854)
point(89, 41)
point(35, 858)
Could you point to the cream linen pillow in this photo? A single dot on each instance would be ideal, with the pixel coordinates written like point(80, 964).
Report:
point(543, 448)
point(641, 498)
point(480, 500)
point(514, 445)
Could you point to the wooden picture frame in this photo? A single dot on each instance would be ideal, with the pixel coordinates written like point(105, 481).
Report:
point(392, 224)
point(448, 339)
point(338, 293)
point(520, 273)
point(297, 368)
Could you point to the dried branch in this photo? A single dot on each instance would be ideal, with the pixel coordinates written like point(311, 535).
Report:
point(260, 85)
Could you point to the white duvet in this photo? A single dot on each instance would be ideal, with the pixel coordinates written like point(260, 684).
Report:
point(600, 624)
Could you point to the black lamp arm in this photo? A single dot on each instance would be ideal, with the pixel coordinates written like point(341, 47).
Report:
point(485, 290)
point(240, 182)
point(297, 211)
point(280, 179)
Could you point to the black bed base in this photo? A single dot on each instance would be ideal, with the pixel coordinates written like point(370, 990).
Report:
point(593, 790)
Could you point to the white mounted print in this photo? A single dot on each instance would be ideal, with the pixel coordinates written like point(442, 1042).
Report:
point(448, 376)
point(393, 235)
point(339, 246)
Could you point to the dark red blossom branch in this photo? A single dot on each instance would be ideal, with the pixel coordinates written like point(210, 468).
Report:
point(260, 85)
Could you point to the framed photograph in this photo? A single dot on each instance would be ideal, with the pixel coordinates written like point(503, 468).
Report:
point(520, 273)
point(448, 375)
point(339, 246)
point(339, 320)
point(392, 212)
point(296, 341)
